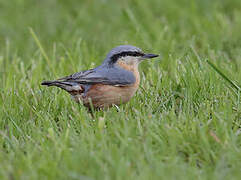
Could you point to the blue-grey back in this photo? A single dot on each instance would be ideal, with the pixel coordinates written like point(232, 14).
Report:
point(103, 74)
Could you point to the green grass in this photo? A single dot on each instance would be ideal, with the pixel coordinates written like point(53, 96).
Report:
point(183, 123)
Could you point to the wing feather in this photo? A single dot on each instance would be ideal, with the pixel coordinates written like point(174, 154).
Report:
point(109, 76)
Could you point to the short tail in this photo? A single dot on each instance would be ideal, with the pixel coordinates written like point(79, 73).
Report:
point(68, 86)
point(54, 83)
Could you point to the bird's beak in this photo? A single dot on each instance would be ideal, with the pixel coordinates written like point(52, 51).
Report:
point(149, 56)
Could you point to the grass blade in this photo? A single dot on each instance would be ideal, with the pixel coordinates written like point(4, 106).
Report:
point(42, 50)
point(224, 76)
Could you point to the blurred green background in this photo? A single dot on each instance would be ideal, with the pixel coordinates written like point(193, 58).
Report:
point(153, 24)
point(184, 125)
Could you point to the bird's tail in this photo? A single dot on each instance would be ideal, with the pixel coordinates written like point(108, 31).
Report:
point(68, 86)
point(55, 83)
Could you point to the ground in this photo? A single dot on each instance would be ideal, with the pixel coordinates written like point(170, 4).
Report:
point(184, 121)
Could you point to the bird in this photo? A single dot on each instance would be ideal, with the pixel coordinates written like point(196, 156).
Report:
point(112, 83)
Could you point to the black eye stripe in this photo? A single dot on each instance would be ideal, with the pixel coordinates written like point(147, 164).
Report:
point(115, 57)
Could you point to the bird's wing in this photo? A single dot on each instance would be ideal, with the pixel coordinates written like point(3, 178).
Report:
point(109, 76)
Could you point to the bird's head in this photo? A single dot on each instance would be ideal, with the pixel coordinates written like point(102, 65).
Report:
point(127, 55)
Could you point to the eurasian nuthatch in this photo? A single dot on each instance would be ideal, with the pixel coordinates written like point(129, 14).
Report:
point(113, 82)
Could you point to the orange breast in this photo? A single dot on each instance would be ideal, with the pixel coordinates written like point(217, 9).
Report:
point(133, 68)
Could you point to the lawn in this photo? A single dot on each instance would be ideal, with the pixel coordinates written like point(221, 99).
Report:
point(184, 122)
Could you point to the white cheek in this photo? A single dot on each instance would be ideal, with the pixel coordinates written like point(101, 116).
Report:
point(131, 60)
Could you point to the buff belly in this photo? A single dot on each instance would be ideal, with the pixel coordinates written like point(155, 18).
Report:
point(102, 96)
